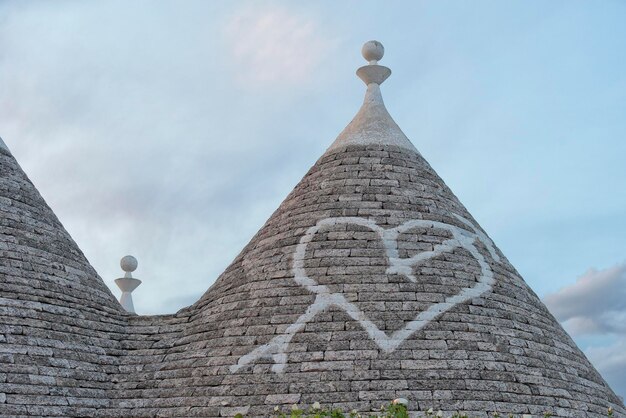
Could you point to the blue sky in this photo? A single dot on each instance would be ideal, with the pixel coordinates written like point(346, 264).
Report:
point(172, 131)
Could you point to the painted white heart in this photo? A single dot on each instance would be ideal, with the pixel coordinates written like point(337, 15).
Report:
point(276, 349)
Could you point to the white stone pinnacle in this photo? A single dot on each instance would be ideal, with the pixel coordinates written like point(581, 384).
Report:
point(373, 125)
point(128, 283)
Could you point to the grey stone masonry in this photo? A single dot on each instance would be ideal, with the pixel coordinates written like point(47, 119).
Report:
point(311, 310)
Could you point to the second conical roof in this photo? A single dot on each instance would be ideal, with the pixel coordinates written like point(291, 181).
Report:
point(371, 282)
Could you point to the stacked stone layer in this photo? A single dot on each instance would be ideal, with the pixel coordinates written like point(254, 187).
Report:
point(67, 348)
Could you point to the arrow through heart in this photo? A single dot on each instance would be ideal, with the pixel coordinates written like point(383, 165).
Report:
point(276, 349)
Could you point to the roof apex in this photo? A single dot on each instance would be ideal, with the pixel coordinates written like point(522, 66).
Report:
point(373, 125)
point(3, 145)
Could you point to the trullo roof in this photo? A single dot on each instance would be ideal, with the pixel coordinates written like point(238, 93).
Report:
point(370, 282)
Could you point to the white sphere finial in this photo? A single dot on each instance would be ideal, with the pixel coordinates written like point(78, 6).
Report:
point(373, 51)
point(128, 264)
point(128, 283)
point(373, 73)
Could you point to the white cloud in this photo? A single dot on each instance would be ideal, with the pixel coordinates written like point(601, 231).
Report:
point(274, 45)
point(595, 305)
point(611, 361)
point(611, 358)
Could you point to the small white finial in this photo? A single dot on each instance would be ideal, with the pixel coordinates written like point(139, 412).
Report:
point(128, 283)
point(373, 52)
point(128, 264)
point(373, 73)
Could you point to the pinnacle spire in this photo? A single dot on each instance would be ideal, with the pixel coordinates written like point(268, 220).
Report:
point(373, 125)
point(128, 283)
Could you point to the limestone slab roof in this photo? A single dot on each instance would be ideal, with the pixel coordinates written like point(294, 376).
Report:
point(370, 282)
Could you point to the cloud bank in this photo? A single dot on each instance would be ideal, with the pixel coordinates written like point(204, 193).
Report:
point(595, 305)
point(275, 46)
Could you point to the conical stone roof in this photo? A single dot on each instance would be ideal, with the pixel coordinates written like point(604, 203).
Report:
point(59, 323)
point(34, 240)
point(370, 282)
